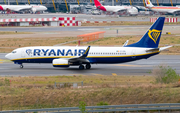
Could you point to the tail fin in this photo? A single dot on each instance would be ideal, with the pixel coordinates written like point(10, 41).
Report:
point(149, 4)
point(99, 5)
point(152, 37)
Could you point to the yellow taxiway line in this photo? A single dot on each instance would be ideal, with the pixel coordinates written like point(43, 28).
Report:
point(1, 61)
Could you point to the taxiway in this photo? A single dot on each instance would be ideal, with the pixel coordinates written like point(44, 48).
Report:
point(141, 67)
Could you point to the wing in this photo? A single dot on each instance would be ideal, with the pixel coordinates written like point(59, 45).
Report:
point(72, 61)
point(119, 10)
point(141, 7)
point(81, 59)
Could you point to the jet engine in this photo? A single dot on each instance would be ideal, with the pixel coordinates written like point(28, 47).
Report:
point(133, 11)
point(60, 63)
point(33, 10)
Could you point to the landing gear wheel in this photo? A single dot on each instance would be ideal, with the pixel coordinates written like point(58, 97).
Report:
point(81, 67)
point(88, 66)
point(21, 66)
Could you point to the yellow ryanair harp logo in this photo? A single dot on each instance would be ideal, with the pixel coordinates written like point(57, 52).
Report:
point(154, 34)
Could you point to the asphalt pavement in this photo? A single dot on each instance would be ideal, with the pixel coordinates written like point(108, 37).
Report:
point(81, 28)
point(79, 17)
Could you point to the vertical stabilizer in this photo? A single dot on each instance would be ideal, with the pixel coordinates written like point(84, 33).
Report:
point(148, 3)
point(152, 37)
point(99, 5)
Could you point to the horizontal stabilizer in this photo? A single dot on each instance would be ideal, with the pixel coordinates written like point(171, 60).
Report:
point(158, 49)
point(163, 48)
point(152, 50)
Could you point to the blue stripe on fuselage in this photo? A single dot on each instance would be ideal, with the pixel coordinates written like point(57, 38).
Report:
point(92, 60)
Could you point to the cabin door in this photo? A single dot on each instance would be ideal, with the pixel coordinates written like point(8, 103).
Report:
point(133, 53)
point(23, 53)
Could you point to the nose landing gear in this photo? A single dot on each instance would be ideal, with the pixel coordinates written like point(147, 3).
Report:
point(21, 66)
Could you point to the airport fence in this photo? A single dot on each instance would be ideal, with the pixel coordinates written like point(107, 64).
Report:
point(68, 84)
point(166, 107)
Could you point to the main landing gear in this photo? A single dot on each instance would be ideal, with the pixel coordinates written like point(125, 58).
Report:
point(88, 66)
point(81, 67)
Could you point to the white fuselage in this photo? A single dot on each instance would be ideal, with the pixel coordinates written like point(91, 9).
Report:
point(39, 7)
point(15, 7)
point(129, 9)
point(46, 54)
point(165, 9)
point(18, 8)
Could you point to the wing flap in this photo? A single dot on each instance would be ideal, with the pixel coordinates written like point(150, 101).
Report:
point(120, 10)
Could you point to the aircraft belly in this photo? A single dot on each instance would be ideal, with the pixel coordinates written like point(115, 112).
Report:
point(42, 60)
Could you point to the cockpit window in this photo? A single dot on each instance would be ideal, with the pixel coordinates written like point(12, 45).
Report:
point(13, 51)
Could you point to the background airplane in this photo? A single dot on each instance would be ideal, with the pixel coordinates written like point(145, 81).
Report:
point(65, 56)
point(164, 9)
point(20, 8)
point(36, 8)
point(130, 9)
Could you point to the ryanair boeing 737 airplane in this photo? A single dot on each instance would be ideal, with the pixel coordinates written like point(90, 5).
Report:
point(65, 56)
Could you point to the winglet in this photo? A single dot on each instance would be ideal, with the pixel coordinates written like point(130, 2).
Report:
point(86, 52)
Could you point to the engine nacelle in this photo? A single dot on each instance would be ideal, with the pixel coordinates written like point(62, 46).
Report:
point(33, 10)
point(60, 63)
point(133, 11)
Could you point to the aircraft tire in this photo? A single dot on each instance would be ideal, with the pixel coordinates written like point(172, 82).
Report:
point(88, 66)
point(81, 67)
point(21, 66)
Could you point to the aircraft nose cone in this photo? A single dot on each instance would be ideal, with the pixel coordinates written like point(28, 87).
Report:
point(8, 56)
